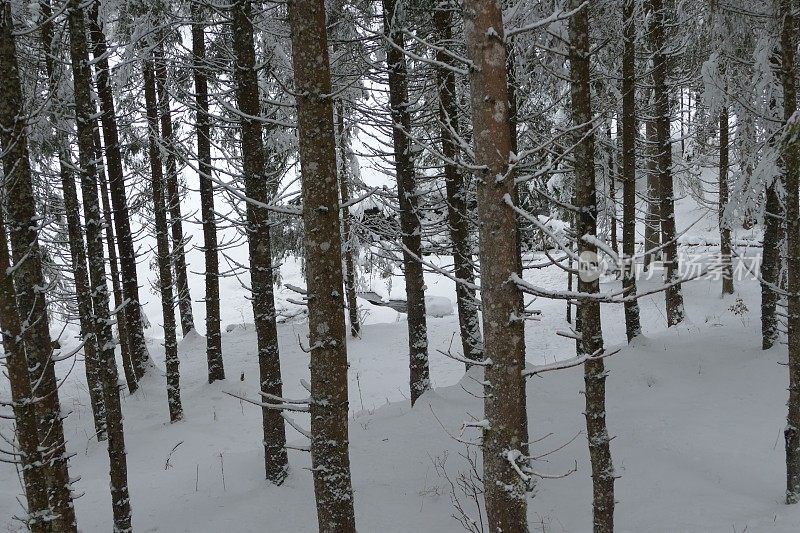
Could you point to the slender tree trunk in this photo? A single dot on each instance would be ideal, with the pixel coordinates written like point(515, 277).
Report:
point(612, 190)
point(633, 326)
point(504, 437)
point(791, 164)
point(127, 251)
point(773, 236)
point(652, 224)
point(410, 225)
point(724, 227)
point(75, 233)
point(101, 318)
point(348, 243)
point(216, 369)
point(122, 329)
point(456, 190)
point(591, 330)
point(261, 280)
point(327, 335)
point(673, 293)
point(178, 257)
point(34, 475)
point(165, 284)
point(30, 286)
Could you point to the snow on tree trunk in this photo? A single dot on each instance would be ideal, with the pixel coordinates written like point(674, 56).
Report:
point(652, 226)
point(30, 286)
point(504, 343)
point(101, 318)
point(633, 326)
point(216, 369)
point(165, 285)
point(666, 195)
point(588, 282)
point(456, 190)
point(127, 250)
point(410, 225)
point(330, 457)
point(261, 279)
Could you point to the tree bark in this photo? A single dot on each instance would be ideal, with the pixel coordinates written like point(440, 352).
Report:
point(673, 294)
point(588, 282)
point(327, 334)
point(101, 318)
point(791, 164)
point(261, 279)
point(216, 369)
point(165, 284)
point(127, 251)
point(178, 256)
point(504, 438)
point(34, 475)
point(456, 191)
point(410, 225)
point(633, 327)
point(23, 223)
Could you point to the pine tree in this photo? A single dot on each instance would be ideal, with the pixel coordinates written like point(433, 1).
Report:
point(410, 226)
point(586, 230)
point(327, 334)
point(116, 177)
point(23, 223)
point(261, 278)
point(165, 283)
point(633, 326)
point(504, 343)
point(216, 369)
point(101, 318)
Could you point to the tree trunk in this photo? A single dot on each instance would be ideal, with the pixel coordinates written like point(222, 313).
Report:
point(75, 233)
point(23, 222)
point(165, 284)
point(127, 251)
point(504, 438)
point(673, 294)
point(612, 190)
point(588, 282)
point(791, 164)
point(101, 318)
point(261, 280)
point(348, 243)
point(329, 434)
point(216, 369)
point(724, 226)
point(410, 225)
point(34, 475)
point(773, 236)
point(178, 257)
point(456, 190)
point(652, 224)
point(633, 326)
point(122, 329)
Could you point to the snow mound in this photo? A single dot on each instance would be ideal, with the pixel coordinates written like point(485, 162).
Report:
point(438, 306)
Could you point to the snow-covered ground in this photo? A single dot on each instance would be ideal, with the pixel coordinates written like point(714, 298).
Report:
point(697, 412)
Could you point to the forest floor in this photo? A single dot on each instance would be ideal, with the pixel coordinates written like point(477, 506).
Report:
point(697, 412)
